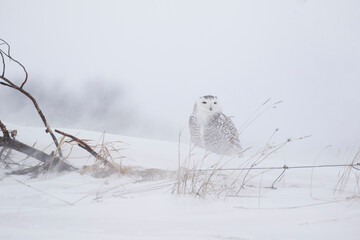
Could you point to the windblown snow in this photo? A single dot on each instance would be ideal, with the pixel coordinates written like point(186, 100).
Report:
point(304, 204)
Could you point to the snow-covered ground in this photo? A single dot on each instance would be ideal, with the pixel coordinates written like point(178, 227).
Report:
point(79, 206)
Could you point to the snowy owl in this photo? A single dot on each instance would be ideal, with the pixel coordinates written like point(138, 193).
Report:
point(213, 130)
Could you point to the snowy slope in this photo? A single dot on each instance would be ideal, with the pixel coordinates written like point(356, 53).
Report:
point(75, 206)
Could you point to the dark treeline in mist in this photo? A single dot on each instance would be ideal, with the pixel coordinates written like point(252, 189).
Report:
point(94, 105)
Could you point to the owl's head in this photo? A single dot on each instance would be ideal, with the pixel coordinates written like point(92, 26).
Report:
point(208, 105)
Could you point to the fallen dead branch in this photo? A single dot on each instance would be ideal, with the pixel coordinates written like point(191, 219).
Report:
point(50, 161)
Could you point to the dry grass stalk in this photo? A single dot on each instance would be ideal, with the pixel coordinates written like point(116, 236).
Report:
point(105, 163)
point(108, 160)
point(267, 105)
point(192, 179)
point(347, 172)
point(312, 170)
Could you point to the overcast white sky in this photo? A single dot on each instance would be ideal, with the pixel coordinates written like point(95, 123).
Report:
point(165, 54)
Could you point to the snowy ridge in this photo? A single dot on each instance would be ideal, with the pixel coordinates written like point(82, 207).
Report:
point(75, 206)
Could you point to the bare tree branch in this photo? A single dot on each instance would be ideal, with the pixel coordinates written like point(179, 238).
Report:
point(6, 135)
point(3, 62)
point(8, 83)
point(22, 66)
point(8, 45)
point(9, 56)
point(42, 116)
point(5, 84)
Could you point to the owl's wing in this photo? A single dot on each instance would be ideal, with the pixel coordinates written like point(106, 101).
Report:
point(195, 132)
point(233, 136)
point(221, 135)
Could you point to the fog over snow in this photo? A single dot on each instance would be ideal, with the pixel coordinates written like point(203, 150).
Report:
point(136, 67)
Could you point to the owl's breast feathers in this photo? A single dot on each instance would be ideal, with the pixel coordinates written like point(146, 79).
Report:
point(217, 134)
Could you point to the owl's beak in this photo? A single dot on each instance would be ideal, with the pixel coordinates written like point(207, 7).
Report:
point(210, 108)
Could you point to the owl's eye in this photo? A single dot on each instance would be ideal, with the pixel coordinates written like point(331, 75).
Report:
point(204, 102)
point(215, 102)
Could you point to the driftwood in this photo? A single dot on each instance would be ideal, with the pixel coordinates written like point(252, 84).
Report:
point(50, 161)
point(6, 82)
